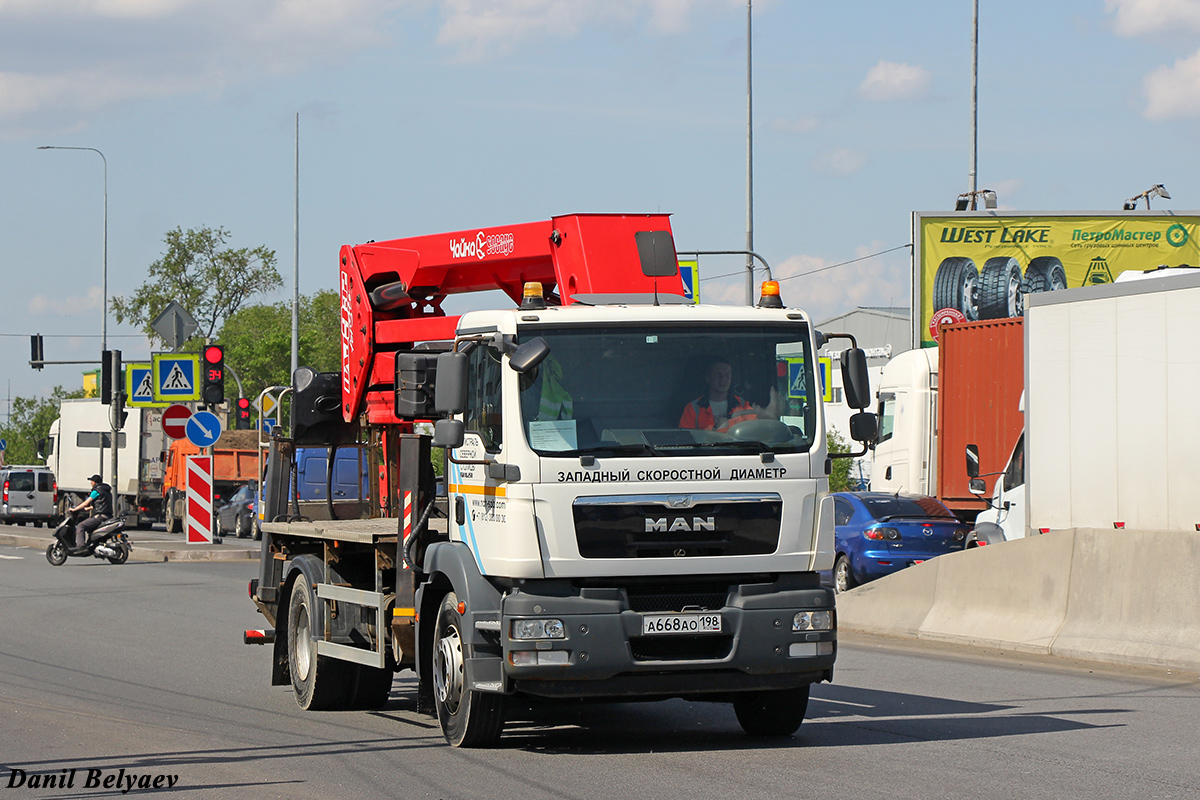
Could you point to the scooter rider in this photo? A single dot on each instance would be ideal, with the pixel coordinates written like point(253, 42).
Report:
point(100, 501)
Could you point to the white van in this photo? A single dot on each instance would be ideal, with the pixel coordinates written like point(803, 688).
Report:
point(28, 494)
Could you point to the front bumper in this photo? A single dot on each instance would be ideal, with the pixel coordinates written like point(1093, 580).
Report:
point(605, 654)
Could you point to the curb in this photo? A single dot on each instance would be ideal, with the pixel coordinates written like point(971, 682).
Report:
point(149, 551)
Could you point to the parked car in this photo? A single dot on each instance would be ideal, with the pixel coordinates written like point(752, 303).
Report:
point(239, 515)
point(877, 533)
point(28, 494)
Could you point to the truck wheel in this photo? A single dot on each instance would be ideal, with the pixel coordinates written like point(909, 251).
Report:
point(955, 285)
point(56, 553)
point(843, 578)
point(1000, 289)
point(319, 682)
point(777, 712)
point(372, 687)
point(1045, 274)
point(173, 522)
point(468, 718)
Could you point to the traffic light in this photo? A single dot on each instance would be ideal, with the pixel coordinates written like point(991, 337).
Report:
point(36, 352)
point(213, 392)
point(106, 377)
point(243, 414)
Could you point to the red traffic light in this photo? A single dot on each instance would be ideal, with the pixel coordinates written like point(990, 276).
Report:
point(214, 354)
point(244, 403)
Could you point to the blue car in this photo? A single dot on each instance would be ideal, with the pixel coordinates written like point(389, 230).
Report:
point(876, 534)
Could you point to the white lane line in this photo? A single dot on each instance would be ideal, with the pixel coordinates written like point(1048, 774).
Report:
point(13, 558)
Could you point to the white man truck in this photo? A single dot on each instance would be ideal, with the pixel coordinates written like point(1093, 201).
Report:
point(79, 445)
point(586, 546)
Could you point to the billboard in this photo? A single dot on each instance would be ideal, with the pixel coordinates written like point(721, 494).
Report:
point(974, 265)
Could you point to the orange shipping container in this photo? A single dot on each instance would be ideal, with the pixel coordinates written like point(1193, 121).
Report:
point(981, 374)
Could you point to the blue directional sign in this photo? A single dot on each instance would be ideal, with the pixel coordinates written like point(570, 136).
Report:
point(268, 424)
point(3, 444)
point(689, 271)
point(176, 376)
point(203, 428)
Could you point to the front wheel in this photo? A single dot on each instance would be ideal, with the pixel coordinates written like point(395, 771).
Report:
point(468, 718)
point(173, 523)
point(776, 712)
point(56, 553)
point(243, 528)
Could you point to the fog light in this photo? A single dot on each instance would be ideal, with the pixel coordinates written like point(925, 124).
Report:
point(812, 621)
point(802, 649)
point(523, 658)
point(553, 658)
point(538, 629)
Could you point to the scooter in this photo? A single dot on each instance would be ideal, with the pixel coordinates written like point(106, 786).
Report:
point(108, 541)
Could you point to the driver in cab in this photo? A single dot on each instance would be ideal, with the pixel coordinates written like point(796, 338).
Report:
point(719, 409)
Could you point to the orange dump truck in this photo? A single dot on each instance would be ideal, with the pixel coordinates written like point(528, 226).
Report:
point(235, 462)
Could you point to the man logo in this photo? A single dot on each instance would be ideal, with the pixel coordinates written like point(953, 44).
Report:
point(681, 524)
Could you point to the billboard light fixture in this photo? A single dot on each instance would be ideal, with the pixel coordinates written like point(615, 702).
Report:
point(1157, 190)
point(967, 200)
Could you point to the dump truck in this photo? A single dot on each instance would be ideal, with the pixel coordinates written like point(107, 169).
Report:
point(589, 544)
point(235, 463)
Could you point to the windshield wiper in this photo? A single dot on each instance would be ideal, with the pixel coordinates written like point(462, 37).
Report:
point(609, 449)
point(753, 445)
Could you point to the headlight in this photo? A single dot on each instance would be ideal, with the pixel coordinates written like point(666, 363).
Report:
point(812, 621)
point(538, 629)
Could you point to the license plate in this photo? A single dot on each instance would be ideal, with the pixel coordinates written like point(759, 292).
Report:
point(22, 509)
point(654, 624)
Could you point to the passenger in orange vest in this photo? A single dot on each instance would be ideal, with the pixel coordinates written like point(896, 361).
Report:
point(718, 409)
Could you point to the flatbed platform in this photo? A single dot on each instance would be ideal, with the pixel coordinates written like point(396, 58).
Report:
point(361, 531)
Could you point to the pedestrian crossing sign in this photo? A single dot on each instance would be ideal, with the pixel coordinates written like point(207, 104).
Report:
point(139, 387)
point(175, 377)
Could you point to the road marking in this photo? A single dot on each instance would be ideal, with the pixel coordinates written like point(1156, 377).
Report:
point(13, 558)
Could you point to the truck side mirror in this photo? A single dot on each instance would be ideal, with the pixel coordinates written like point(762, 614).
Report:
point(864, 427)
point(529, 355)
point(448, 433)
point(972, 461)
point(856, 381)
point(976, 486)
point(450, 392)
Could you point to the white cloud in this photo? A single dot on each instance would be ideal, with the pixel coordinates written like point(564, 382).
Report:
point(479, 28)
point(1141, 17)
point(41, 305)
point(889, 81)
point(1173, 92)
point(840, 161)
point(880, 281)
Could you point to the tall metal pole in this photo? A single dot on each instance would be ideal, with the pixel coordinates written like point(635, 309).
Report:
point(974, 103)
point(104, 301)
point(296, 261)
point(749, 164)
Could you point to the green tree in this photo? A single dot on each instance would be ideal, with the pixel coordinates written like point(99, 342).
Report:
point(258, 340)
point(839, 478)
point(208, 279)
point(29, 422)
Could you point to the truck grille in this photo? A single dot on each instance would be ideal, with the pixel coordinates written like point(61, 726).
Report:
point(660, 602)
point(673, 526)
point(680, 648)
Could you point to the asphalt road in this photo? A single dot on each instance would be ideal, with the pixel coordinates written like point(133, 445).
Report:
point(141, 668)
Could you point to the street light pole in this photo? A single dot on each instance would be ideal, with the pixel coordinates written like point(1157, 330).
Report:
point(104, 301)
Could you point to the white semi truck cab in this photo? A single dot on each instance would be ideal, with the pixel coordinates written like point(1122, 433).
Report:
point(612, 528)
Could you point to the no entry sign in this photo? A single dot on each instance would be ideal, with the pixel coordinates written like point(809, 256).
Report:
point(174, 421)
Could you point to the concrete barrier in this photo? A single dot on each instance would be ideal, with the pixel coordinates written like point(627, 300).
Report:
point(1133, 599)
point(1012, 596)
point(1124, 597)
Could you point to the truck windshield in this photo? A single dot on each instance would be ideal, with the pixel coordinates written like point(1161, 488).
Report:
point(646, 391)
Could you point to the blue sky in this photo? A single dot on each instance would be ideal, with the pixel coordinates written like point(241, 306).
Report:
point(420, 116)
